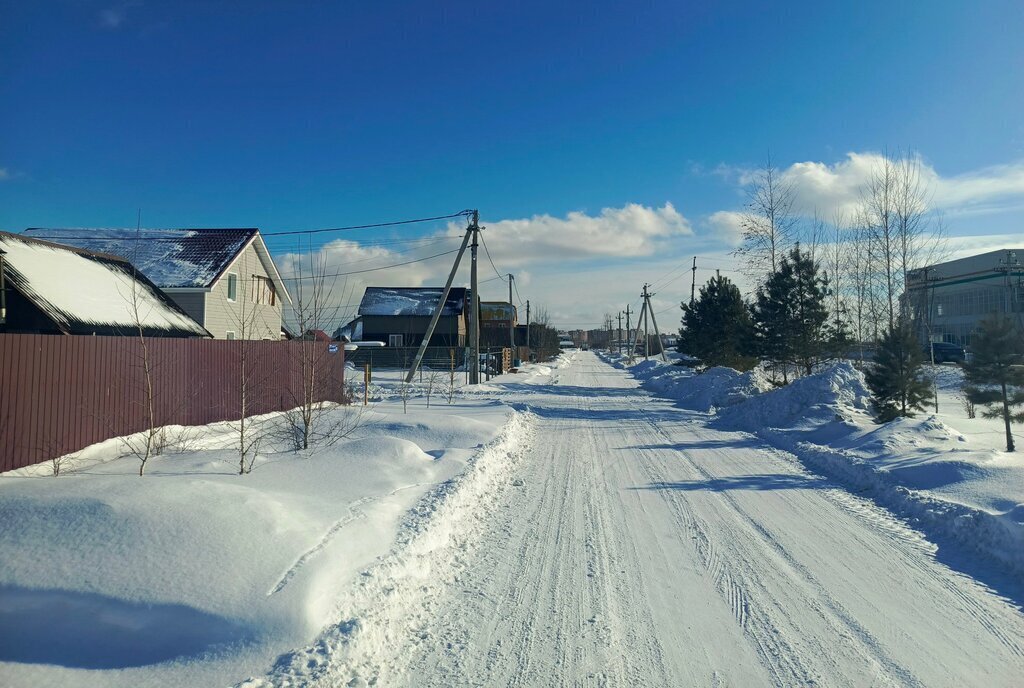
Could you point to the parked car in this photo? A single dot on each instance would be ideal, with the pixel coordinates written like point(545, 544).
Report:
point(946, 352)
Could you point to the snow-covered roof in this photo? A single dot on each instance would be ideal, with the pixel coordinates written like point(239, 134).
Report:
point(171, 258)
point(353, 331)
point(85, 292)
point(411, 301)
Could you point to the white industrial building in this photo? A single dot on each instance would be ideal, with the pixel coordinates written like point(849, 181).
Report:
point(948, 300)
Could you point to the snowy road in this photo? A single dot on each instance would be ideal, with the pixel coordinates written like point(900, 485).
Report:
point(643, 548)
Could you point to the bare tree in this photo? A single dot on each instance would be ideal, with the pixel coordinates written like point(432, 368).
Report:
point(434, 379)
point(151, 440)
point(859, 286)
point(879, 202)
point(251, 377)
point(450, 387)
point(836, 260)
point(313, 420)
point(769, 223)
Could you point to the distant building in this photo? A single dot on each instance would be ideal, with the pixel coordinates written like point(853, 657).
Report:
point(224, 279)
point(54, 289)
point(947, 301)
point(495, 318)
point(399, 316)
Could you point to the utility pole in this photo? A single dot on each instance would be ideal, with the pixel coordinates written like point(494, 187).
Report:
point(639, 329)
point(474, 312)
point(693, 281)
point(647, 335)
point(630, 352)
point(511, 322)
point(439, 309)
point(527, 327)
point(657, 332)
point(620, 333)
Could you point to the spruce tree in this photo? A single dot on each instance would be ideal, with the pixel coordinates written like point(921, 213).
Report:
point(717, 328)
point(995, 372)
point(772, 314)
point(896, 379)
point(791, 316)
point(810, 332)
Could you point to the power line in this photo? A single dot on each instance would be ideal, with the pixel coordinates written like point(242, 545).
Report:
point(431, 242)
point(291, 232)
point(488, 254)
point(515, 286)
point(359, 272)
point(394, 223)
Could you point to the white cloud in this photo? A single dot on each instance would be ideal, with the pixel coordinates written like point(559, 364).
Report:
point(829, 187)
point(631, 231)
point(727, 226)
point(984, 186)
point(5, 174)
point(521, 246)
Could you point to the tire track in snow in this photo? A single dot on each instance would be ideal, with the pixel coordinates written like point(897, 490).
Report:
point(776, 650)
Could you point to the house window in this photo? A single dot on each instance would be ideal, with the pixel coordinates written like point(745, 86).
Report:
point(263, 291)
point(230, 334)
point(396, 340)
point(232, 287)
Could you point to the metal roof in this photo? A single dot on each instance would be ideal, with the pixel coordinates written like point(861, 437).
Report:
point(417, 301)
point(86, 292)
point(171, 258)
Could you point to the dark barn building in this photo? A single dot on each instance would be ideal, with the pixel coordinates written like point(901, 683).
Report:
point(399, 316)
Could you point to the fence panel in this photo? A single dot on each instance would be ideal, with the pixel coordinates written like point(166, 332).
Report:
point(60, 394)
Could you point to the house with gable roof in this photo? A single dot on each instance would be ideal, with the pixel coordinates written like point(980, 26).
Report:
point(225, 279)
point(399, 316)
point(50, 288)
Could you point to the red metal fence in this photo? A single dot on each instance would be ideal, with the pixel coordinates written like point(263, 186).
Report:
point(59, 394)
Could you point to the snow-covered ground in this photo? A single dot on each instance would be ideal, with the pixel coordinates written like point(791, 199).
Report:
point(562, 526)
point(193, 575)
point(946, 473)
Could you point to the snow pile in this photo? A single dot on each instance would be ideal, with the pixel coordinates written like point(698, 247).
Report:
point(393, 597)
point(193, 575)
point(834, 394)
point(954, 485)
point(713, 389)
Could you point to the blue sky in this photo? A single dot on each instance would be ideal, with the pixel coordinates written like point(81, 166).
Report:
point(289, 115)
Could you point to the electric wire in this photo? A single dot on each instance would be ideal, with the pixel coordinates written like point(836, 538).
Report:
point(360, 272)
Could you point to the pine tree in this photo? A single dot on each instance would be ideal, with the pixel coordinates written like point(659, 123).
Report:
point(995, 373)
point(717, 328)
point(895, 378)
point(791, 316)
point(773, 315)
point(810, 332)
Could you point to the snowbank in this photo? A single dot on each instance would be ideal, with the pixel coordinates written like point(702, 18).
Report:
point(946, 483)
point(373, 618)
point(953, 484)
point(193, 575)
point(806, 402)
point(708, 391)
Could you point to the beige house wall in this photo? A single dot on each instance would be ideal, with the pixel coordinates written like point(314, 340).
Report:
point(243, 316)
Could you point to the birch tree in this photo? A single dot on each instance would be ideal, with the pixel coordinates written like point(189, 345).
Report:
point(769, 223)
